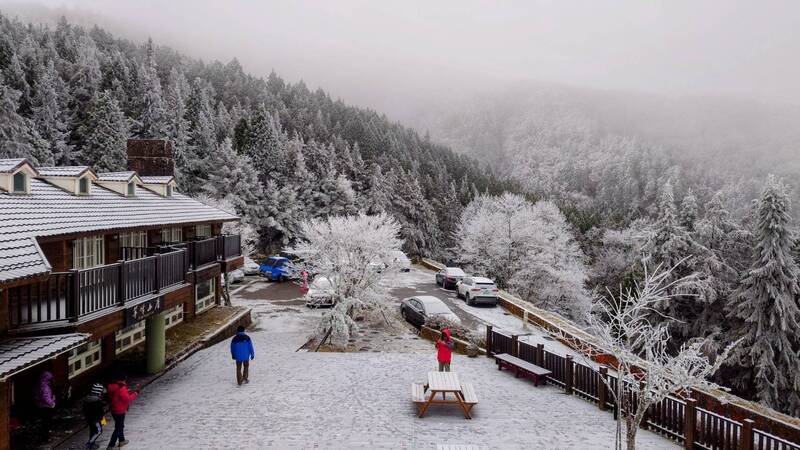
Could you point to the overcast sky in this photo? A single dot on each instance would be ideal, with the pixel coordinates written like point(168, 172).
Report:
point(386, 54)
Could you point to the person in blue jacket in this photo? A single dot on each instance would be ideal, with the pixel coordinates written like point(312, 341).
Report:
point(242, 351)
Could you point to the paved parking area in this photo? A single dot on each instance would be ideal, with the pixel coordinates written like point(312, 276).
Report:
point(346, 400)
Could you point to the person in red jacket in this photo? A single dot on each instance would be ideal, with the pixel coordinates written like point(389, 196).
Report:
point(444, 347)
point(119, 399)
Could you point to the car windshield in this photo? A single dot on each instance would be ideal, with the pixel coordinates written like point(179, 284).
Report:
point(321, 283)
point(436, 308)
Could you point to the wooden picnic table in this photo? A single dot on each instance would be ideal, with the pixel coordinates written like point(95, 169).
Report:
point(445, 383)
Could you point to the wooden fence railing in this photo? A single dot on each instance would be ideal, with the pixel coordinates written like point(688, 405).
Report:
point(674, 418)
point(45, 301)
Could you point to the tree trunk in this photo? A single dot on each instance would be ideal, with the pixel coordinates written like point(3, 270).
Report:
point(226, 294)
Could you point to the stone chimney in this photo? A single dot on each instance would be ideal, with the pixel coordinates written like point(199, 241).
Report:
point(151, 157)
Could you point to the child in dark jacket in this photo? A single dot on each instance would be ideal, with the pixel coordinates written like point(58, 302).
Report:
point(93, 413)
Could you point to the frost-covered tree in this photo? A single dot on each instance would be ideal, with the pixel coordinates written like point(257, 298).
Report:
point(342, 248)
point(152, 123)
point(105, 132)
point(527, 248)
point(175, 122)
point(18, 137)
point(646, 369)
point(765, 305)
point(50, 114)
point(688, 212)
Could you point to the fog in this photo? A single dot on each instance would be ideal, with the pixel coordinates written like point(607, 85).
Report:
point(395, 56)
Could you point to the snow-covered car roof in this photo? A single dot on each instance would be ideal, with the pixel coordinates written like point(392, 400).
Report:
point(482, 280)
point(454, 271)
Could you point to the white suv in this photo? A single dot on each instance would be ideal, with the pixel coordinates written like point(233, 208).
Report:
point(477, 290)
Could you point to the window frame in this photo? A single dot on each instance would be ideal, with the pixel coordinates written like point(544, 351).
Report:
point(79, 356)
point(133, 239)
point(168, 191)
point(89, 252)
point(168, 234)
point(206, 233)
point(207, 302)
point(22, 176)
point(83, 186)
point(131, 189)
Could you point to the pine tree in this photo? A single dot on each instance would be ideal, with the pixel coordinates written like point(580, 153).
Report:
point(18, 137)
point(106, 131)
point(152, 122)
point(688, 213)
point(49, 114)
point(766, 304)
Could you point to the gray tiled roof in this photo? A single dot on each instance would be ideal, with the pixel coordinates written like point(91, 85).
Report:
point(20, 353)
point(51, 211)
point(116, 176)
point(156, 180)
point(66, 171)
point(7, 165)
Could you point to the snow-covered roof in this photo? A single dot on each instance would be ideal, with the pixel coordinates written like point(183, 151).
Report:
point(10, 165)
point(157, 180)
point(51, 211)
point(66, 171)
point(19, 354)
point(117, 176)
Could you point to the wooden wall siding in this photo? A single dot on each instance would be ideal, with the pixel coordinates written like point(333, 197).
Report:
point(5, 412)
point(57, 255)
point(182, 295)
point(104, 325)
point(216, 228)
point(3, 311)
point(206, 273)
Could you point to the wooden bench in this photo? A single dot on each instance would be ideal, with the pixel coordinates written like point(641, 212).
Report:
point(522, 367)
point(457, 447)
point(418, 395)
point(469, 396)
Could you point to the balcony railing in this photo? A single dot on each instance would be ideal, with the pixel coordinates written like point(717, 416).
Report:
point(70, 295)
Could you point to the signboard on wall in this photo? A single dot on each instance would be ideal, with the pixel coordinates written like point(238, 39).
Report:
point(143, 310)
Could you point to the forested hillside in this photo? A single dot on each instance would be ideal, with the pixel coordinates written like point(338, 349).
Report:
point(648, 183)
point(277, 151)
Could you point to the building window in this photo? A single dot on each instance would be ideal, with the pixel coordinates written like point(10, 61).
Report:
point(20, 182)
point(169, 190)
point(83, 185)
point(88, 252)
point(131, 189)
point(84, 357)
point(133, 239)
point(203, 231)
point(171, 235)
point(173, 316)
point(129, 337)
point(204, 295)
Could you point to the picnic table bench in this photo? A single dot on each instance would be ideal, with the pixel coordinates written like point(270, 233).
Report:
point(522, 367)
point(457, 447)
point(444, 383)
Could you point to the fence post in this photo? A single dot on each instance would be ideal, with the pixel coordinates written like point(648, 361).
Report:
point(194, 255)
point(222, 254)
point(156, 273)
point(747, 435)
point(689, 423)
point(568, 372)
point(75, 293)
point(121, 291)
point(489, 341)
point(602, 389)
point(514, 347)
point(540, 355)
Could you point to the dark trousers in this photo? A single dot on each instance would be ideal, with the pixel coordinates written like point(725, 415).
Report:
point(119, 429)
point(242, 375)
point(95, 429)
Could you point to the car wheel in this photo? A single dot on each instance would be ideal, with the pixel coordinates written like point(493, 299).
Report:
point(403, 313)
point(470, 302)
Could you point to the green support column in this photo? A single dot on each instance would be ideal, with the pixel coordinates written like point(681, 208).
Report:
point(156, 343)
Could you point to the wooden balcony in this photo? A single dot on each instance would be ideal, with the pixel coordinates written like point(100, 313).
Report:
point(150, 272)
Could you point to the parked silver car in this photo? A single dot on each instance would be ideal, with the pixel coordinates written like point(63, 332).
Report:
point(320, 293)
point(477, 290)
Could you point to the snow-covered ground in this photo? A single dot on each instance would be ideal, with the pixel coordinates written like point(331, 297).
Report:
point(348, 400)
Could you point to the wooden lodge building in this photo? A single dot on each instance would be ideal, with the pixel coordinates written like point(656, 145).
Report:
point(93, 264)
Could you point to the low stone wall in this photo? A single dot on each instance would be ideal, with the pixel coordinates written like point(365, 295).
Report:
point(434, 335)
point(229, 329)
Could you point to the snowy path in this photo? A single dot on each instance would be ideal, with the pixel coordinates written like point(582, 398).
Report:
point(348, 400)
